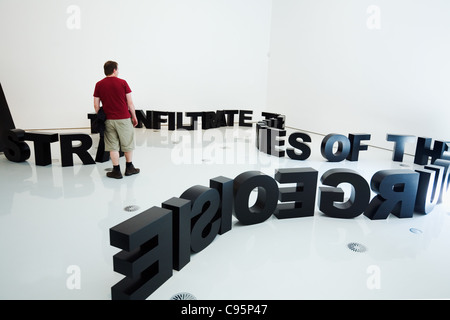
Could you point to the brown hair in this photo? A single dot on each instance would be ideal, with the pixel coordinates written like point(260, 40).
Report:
point(109, 67)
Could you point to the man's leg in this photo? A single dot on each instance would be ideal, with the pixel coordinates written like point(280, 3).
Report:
point(130, 169)
point(114, 155)
point(112, 144)
point(115, 173)
point(128, 156)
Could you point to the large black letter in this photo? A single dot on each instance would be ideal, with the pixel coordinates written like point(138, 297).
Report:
point(261, 137)
point(445, 188)
point(243, 117)
point(424, 151)
point(355, 142)
point(205, 203)
point(430, 186)
point(303, 194)
point(359, 197)
point(144, 119)
point(399, 145)
point(266, 202)
point(396, 190)
point(146, 256)
point(194, 119)
point(157, 120)
point(224, 186)
point(6, 120)
point(42, 150)
point(209, 120)
point(16, 149)
point(230, 116)
point(343, 149)
point(181, 222)
point(305, 149)
point(67, 149)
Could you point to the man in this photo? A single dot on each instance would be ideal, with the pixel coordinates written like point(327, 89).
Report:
point(115, 96)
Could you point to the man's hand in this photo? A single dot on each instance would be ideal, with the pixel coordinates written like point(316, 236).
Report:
point(134, 120)
point(132, 109)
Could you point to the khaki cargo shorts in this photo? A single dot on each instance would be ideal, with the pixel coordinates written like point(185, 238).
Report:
point(119, 135)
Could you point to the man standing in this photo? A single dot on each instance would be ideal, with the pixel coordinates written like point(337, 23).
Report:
point(115, 96)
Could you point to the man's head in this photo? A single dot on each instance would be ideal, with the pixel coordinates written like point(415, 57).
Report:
point(110, 67)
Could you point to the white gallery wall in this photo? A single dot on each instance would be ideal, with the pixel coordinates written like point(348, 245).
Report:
point(177, 55)
point(358, 66)
point(347, 66)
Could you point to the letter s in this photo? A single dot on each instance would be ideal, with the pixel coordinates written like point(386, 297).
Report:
point(16, 149)
point(304, 148)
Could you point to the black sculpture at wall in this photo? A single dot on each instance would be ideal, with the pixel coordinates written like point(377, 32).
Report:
point(6, 120)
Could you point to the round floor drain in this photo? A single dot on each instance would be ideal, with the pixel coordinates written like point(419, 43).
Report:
point(416, 231)
point(131, 208)
point(183, 296)
point(356, 247)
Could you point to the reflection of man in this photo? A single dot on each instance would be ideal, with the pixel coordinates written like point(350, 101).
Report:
point(115, 95)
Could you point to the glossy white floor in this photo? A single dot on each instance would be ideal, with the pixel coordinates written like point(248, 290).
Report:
point(54, 227)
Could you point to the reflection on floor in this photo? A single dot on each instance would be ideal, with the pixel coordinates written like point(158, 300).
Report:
point(55, 221)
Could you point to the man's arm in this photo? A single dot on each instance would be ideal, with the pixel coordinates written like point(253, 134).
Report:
point(96, 104)
point(132, 109)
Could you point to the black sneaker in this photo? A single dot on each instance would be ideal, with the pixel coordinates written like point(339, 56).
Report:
point(114, 174)
point(131, 170)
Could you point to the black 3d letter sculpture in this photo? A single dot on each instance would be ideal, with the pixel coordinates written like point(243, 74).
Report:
point(331, 198)
point(399, 145)
point(446, 179)
point(204, 206)
point(343, 149)
point(6, 120)
point(181, 210)
point(424, 151)
point(305, 150)
point(16, 149)
point(146, 256)
point(42, 151)
point(429, 189)
point(396, 191)
point(67, 149)
point(302, 197)
point(267, 198)
point(355, 145)
point(224, 186)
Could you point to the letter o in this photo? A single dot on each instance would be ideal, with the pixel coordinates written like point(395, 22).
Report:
point(328, 142)
point(266, 202)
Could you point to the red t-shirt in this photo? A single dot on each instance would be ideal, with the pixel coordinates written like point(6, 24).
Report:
point(112, 92)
